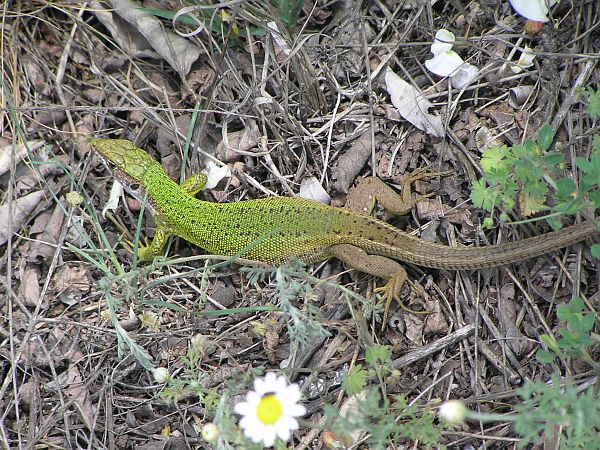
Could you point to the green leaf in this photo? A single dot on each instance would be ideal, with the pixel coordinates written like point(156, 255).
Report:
point(545, 137)
point(493, 158)
point(544, 357)
point(529, 148)
point(289, 10)
point(594, 106)
point(355, 381)
point(565, 187)
point(596, 144)
point(583, 164)
point(488, 222)
point(378, 353)
point(596, 251)
point(554, 223)
point(550, 342)
point(483, 197)
point(565, 312)
point(587, 322)
point(553, 159)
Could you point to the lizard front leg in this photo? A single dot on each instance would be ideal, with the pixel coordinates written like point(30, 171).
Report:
point(147, 252)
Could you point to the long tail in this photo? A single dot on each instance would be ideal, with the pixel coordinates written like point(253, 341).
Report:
point(414, 250)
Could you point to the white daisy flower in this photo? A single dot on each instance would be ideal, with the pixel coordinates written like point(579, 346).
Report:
point(270, 410)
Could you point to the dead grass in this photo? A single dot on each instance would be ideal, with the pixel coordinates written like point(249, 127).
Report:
point(321, 111)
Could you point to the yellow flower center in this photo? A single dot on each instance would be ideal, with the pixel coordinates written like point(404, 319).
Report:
point(269, 409)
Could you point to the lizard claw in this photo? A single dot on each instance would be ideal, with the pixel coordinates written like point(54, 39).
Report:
point(391, 291)
point(144, 250)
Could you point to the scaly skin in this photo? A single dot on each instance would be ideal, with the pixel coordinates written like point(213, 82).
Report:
point(308, 230)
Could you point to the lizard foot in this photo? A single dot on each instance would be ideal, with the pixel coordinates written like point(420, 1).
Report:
point(420, 174)
point(144, 253)
point(391, 291)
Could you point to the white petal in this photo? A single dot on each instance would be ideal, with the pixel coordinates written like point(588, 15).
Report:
point(250, 425)
point(288, 423)
point(278, 38)
point(312, 189)
point(245, 408)
point(283, 432)
point(268, 435)
point(253, 398)
point(292, 393)
point(215, 174)
point(412, 105)
point(279, 385)
point(535, 10)
point(295, 410)
point(443, 42)
point(463, 76)
point(444, 63)
point(116, 192)
point(261, 385)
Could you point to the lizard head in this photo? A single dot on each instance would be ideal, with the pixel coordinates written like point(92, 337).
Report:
point(129, 160)
point(130, 163)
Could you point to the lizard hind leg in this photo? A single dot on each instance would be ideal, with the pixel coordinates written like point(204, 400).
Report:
point(371, 190)
point(379, 266)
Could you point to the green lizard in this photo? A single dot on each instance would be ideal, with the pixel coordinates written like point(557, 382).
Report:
point(306, 229)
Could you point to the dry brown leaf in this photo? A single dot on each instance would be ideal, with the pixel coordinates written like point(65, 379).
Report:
point(49, 349)
point(17, 154)
point(29, 395)
point(434, 209)
point(30, 285)
point(198, 81)
point(21, 208)
point(349, 409)
point(76, 390)
point(351, 162)
point(143, 35)
point(507, 313)
point(70, 283)
point(230, 148)
point(271, 336)
point(412, 105)
point(44, 246)
point(36, 76)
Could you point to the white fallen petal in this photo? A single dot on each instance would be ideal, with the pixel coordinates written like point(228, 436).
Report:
point(464, 76)
point(278, 38)
point(536, 10)
point(311, 189)
point(525, 60)
point(116, 192)
point(444, 64)
point(443, 42)
point(215, 174)
point(412, 105)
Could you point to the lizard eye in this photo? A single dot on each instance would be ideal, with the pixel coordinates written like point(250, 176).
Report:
point(134, 187)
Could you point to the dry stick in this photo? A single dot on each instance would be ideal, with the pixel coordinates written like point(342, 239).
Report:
point(60, 73)
point(531, 303)
point(427, 350)
point(570, 99)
